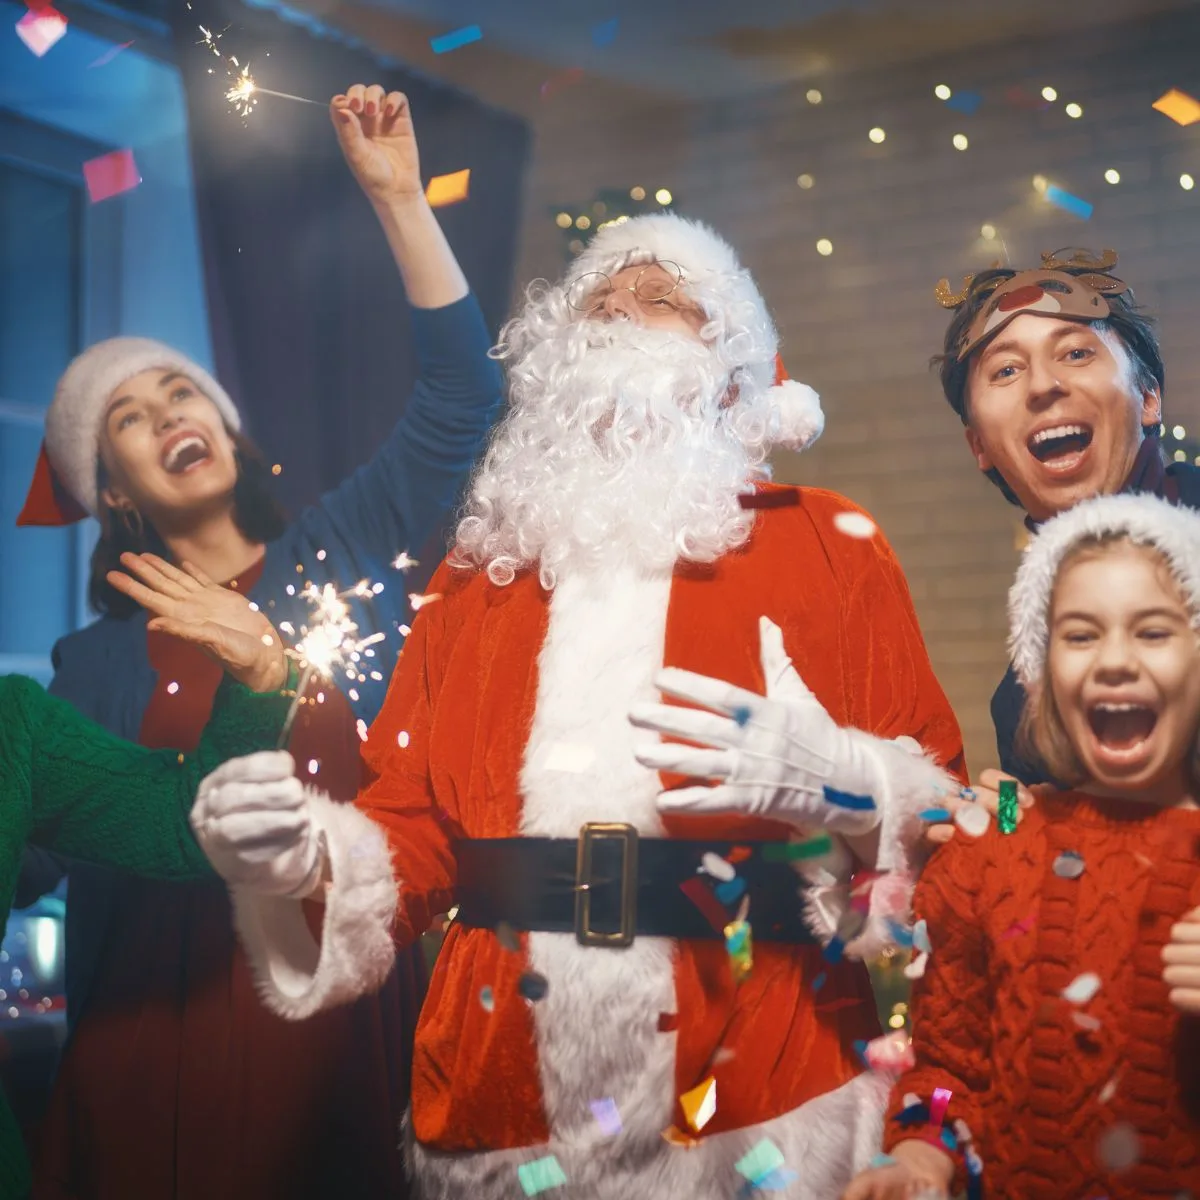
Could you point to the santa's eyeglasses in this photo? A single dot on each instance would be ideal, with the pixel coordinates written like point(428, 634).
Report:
point(655, 282)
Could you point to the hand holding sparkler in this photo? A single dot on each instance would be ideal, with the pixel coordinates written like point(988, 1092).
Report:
point(380, 147)
point(221, 622)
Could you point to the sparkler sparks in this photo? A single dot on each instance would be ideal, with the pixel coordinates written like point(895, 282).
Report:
point(244, 92)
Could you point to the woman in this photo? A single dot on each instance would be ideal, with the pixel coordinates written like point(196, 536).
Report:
point(81, 791)
point(176, 1082)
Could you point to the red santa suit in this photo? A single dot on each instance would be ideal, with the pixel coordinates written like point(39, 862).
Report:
point(508, 717)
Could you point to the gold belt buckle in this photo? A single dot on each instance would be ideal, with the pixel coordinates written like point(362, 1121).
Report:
point(592, 832)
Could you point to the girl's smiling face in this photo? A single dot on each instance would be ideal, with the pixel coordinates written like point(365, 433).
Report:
point(1124, 672)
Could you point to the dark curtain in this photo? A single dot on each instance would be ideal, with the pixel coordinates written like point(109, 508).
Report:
point(309, 320)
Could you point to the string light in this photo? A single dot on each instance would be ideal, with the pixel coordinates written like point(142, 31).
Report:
point(942, 92)
point(805, 181)
point(1074, 110)
point(563, 220)
point(663, 196)
point(1179, 433)
point(824, 247)
point(988, 232)
point(1112, 176)
point(960, 141)
point(637, 193)
point(1186, 182)
point(584, 222)
point(1048, 93)
point(813, 96)
point(1040, 183)
point(877, 135)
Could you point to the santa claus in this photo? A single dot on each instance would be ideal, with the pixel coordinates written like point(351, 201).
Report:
point(635, 998)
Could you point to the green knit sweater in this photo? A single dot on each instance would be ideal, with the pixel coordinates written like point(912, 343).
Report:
point(80, 791)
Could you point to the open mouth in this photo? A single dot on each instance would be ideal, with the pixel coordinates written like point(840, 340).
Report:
point(183, 453)
point(1060, 446)
point(1121, 729)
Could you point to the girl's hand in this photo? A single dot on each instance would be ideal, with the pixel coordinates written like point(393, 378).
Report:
point(187, 604)
point(1182, 958)
point(987, 794)
point(380, 148)
point(919, 1172)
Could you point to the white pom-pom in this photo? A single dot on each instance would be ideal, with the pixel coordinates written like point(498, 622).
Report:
point(799, 420)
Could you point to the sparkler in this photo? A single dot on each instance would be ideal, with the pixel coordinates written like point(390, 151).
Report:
point(330, 644)
point(244, 92)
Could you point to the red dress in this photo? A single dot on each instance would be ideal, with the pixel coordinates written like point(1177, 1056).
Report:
point(1069, 1097)
point(178, 1083)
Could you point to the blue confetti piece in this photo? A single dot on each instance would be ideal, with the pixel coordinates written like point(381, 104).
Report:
point(860, 1048)
point(881, 1160)
point(819, 982)
point(1068, 203)
point(935, 815)
point(920, 938)
point(849, 800)
point(541, 1175)
point(968, 794)
point(948, 1139)
point(914, 1114)
point(760, 1161)
point(899, 933)
point(741, 715)
point(774, 1181)
point(965, 102)
point(455, 38)
point(731, 890)
point(605, 34)
point(834, 951)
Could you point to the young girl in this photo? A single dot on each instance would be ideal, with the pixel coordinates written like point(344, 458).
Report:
point(1056, 1056)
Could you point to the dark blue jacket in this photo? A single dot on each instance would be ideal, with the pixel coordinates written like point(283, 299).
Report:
point(394, 503)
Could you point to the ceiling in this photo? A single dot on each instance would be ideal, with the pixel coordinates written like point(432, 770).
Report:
point(706, 48)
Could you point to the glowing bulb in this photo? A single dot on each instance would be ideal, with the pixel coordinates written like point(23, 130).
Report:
point(1112, 176)
point(960, 141)
point(1179, 433)
point(1186, 182)
point(805, 181)
point(1040, 183)
point(1180, 455)
point(813, 96)
point(942, 92)
point(896, 1021)
point(1074, 110)
point(583, 222)
point(637, 193)
point(988, 232)
point(1048, 93)
point(824, 247)
point(663, 196)
point(877, 135)
point(563, 221)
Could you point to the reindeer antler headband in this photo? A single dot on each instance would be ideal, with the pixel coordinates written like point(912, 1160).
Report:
point(1072, 288)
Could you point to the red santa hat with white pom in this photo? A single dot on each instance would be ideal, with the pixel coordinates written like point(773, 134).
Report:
point(718, 282)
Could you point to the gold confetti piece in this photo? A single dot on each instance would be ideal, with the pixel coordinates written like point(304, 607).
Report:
point(674, 1136)
point(1179, 106)
point(448, 189)
point(700, 1104)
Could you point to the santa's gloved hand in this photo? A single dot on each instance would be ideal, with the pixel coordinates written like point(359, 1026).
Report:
point(252, 819)
point(779, 756)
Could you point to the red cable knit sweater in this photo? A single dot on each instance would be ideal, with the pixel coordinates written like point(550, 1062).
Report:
point(1053, 1090)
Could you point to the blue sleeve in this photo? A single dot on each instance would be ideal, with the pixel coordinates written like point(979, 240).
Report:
point(401, 497)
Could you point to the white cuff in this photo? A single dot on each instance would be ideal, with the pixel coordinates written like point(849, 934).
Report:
point(297, 977)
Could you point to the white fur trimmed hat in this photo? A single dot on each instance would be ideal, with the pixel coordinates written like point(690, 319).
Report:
point(719, 283)
point(1144, 520)
point(64, 487)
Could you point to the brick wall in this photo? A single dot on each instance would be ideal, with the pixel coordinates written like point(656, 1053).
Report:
point(861, 324)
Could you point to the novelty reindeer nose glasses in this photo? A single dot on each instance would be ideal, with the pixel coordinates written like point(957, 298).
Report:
point(1072, 289)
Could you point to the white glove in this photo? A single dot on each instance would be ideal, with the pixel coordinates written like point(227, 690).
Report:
point(252, 819)
point(779, 756)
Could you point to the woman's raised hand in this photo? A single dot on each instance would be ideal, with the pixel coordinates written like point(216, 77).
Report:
point(376, 133)
point(186, 604)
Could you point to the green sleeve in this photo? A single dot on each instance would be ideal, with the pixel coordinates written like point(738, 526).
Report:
point(108, 801)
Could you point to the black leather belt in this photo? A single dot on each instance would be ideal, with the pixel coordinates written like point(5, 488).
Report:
point(609, 886)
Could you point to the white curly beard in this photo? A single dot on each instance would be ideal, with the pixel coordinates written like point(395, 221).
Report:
point(619, 447)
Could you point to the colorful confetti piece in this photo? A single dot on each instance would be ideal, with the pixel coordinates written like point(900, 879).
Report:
point(793, 851)
point(1006, 814)
point(965, 102)
point(849, 800)
point(40, 29)
point(110, 175)
point(607, 1116)
point(939, 1104)
point(487, 999)
point(533, 987)
point(605, 34)
point(541, 1175)
point(443, 190)
point(742, 715)
point(698, 892)
point(855, 525)
point(935, 816)
point(920, 937)
point(453, 40)
point(1179, 106)
point(1069, 865)
point(1068, 203)
point(774, 1181)
point(1017, 929)
point(819, 982)
point(714, 865)
point(1082, 988)
point(739, 945)
point(1119, 1148)
point(758, 1162)
point(730, 892)
point(700, 1104)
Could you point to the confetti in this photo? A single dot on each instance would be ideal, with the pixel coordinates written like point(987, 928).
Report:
point(109, 55)
point(855, 525)
point(40, 29)
point(1017, 929)
point(774, 1181)
point(570, 758)
point(849, 800)
point(533, 986)
point(881, 1160)
point(1086, 1022)
point(443, 190)
point(668, 1022)
point(605, 34)
point(916, 968)
point(1069, 865)
point(487, 999)
point(314, 765)
point(361, 726)
point(557, 82)
point(110, 175)
point(402, 562)
point(1109, 1090)
point(740, 948)
point(1006, 815)
point(1068, 203)
point(939, 1104)
point(700, 1104)
point(607, 1116)
point(541, 1175)
point(760, 1161)
point(674, 1136)
point(1118, 1148)
point(731, 892)
point(172, 688)
point(742, 715)
point(402, 739)
point(973, 820)
point(700, 895)
point(714, 865)
point(920, 937)
point(1082, 988)
point(1179, 106)
point(819, 982)
point(793, 851)
point(965, 102)
point(935, 815)
point(452, 41)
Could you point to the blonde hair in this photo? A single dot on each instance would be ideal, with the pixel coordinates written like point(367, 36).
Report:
point(1041, 731)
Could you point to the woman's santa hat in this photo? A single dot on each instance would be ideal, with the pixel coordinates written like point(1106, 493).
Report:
point(64, 487)
point(717, 281)
point(1143, 520)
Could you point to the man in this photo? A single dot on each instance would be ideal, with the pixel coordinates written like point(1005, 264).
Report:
point(621, 521)
point(1057, 377)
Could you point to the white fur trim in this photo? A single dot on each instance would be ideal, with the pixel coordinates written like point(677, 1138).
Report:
point(1145, 520)
point(799, 420)
point(825, 1141)
point(76, 414)
point(597, 1027)
point(294, 975)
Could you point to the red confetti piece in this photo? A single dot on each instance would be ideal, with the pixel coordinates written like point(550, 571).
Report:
point(787, 498)
point(668, 1022)
point(698, 893)
point(738, 854)
point(40, 28)
point(104, 60)
point(562, 80)
point(1017, 929)
point(110, 175)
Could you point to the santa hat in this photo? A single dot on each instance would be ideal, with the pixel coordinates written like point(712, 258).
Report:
point(1144, 520)
point(717, 281)
point(64, 487)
